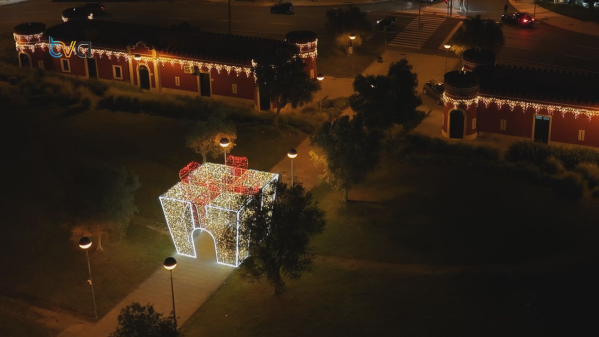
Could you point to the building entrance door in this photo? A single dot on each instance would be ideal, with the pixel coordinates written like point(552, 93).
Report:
point(542, 129)
point(25, 63)
point(92, 70)
point(144, 77)
point(264, 101)
point(205, 84)
point(456, 124)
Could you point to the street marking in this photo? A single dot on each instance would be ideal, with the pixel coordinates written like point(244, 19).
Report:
point(577, 45)
point(579, 57)
point(410, 36)
point(523, 38)
point(519, 48)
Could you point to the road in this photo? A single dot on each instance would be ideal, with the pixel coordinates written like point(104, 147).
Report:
point(543, 45)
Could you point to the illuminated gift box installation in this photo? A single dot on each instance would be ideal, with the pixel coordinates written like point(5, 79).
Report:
point(214, 198)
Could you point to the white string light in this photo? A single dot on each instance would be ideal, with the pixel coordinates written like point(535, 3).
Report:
point(550, 108)
point(213, 198)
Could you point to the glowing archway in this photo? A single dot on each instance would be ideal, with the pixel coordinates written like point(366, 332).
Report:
point(213, 197)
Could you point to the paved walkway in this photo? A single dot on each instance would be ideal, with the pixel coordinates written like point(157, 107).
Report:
point(413, 37)
point(557, 20)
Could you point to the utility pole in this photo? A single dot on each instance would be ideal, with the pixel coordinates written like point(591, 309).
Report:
point(229, 17)
point(419, 7)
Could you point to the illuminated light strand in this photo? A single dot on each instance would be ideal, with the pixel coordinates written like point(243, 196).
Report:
point(162, 60)
point(27, 37)
point(550, 108)
point(213, 198)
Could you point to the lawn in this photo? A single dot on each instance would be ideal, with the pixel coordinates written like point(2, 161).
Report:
point(40, 148)
point(573, 11)
point(332, 61)
point(427, 250)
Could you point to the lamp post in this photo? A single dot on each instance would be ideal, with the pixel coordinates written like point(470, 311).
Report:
point(292, 154)
point(137, 57)
point(169, 264)
point(320, 77)
point(352, 37)
point(85, 243)
point(446, 46)
point(224, 142)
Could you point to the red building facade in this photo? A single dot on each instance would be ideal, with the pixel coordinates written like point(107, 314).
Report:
point(553, 107)
point(158, 59)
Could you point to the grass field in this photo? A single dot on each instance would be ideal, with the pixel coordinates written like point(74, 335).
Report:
point(41, 147)
point(332, 61)
point(429, 251)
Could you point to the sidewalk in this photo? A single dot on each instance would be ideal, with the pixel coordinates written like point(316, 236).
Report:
point(556, 20)
point(10, 2)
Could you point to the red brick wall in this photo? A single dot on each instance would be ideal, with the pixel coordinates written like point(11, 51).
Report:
point(222, 84)
point(565, 129)
point(518, 123)
point(105, 64)
point(168, 73)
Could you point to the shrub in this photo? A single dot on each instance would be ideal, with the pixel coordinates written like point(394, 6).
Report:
point(97, 87)
point(570, 185)
point(590, 173)
point(529, 152)
point(552, 165)
point(423, 143)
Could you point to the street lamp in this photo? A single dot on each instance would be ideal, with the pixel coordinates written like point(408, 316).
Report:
point(320, 77)
point(224, 142)
point(137, 57)
point(169, 264)
point(352, 37)
point(85, 243)
point(446, 46)
point(292, 154)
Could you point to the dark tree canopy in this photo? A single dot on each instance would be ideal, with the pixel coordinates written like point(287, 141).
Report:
point(478, 33)
point(342, 22)
point(283, 79)
point(136, 320)
point(382, 101)
point(102, 201)
point(351, 150)
point(279, 244)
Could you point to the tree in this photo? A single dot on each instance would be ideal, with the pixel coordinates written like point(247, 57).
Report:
point(478, 33)
point(342, 22)
point(102, 202)
point(136, 320)
point(282, 78)
point(351, 150)
point(204, 138)
point(382, 101)
point(279, 243)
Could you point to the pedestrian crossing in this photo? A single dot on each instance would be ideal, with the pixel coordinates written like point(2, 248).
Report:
point(409, 36)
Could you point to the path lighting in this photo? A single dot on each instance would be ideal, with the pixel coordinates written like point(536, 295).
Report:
point(352, 37)
point(169, 264)
point(446, 46)
point(320, 77)
point(224, 142)
point(292, 154)
point(85, 243)
point(137, 57)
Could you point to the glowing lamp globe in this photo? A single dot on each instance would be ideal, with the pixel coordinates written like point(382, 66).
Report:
point(320, 77)
point(352, 37)
point(292, 153)
point(224, 142)
point(447, 46)
point(137, 57)
point(170, 263)
point(85, 242)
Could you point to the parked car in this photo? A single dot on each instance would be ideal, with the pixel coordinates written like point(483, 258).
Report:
point(435, 90)
point(282, 8)
point(95, 8)
point(390, 22)
point(518, 19)
point(586, 4)
point(76, 14)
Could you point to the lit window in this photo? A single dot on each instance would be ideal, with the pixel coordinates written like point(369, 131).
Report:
point(177, 81)
point(581, 135)
point(473, 123)
point(65, 65)
point(234, 88)
point(502, 124)
point(40, 64)
point(117, 72)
